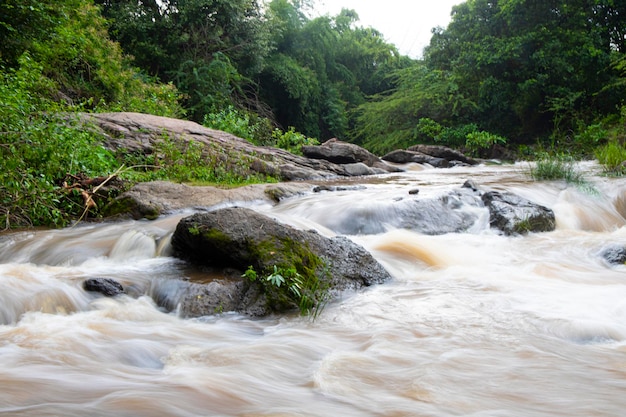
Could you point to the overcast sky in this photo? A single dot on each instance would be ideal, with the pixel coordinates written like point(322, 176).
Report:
point(404, 23)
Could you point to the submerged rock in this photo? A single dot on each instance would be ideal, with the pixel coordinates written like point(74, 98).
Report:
point(614, 255)
point(105, 286)
point(513, 214)
point(454, 212)
point(243, 239)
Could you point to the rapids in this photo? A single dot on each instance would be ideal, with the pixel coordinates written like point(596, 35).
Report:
point(473, 323)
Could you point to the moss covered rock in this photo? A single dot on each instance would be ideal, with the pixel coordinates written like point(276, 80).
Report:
point(283, 268)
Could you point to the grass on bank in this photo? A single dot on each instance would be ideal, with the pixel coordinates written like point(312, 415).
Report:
point(612, 157)
point(556, 167)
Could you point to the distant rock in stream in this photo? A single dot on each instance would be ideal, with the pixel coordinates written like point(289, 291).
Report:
point(614, 255)
point(444, 152)
point(513, 214)
point(356, 160)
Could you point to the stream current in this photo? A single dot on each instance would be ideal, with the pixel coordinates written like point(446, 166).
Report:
point(473, 323)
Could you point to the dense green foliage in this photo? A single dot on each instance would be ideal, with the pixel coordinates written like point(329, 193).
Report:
point(272, 61)
point(58, 60)
point(523, 70)
point(515, 73)
point(257, 130)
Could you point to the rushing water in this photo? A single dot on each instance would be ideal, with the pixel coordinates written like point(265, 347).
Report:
point(473, 323)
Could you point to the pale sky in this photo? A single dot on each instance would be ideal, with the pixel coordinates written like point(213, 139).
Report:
point(404, 23)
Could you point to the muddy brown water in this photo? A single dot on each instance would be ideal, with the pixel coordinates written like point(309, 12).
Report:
point(473, 323)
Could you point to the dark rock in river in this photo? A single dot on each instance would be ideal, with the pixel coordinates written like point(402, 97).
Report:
point(105, 286)
point(240, 238)
point(443, 152)
point(615, 255)
point(513, 214)
point(404, 157)
point(339, 152)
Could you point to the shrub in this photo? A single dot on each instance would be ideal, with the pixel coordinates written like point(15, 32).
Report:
point(257, 130)
point(427, 130)
point(478, 141)
point(39, 147)
point(456, 137)
point(291, 140)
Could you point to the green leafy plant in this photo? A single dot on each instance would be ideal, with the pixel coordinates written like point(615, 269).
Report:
point(479, 141)
point(250, 274)
point(292, 141)
point(306, 292)
point(232, 121)
point(427, 130)
point(456, 136)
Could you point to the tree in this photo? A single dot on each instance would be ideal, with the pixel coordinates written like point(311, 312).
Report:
point(209, 48)
point(322, 68)
point(517, 68)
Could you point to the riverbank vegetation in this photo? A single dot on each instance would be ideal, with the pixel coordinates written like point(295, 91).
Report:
point(535, 78)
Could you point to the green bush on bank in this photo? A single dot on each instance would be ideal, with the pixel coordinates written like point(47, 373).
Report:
point(257, 130)
point(38, 148)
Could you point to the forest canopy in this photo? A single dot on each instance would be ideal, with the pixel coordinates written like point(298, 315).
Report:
point(523, 77)
point(524, 71)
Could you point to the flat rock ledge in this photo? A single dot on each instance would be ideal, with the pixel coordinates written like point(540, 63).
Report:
point(235, 239)
point(152, 199)
point(137, 133)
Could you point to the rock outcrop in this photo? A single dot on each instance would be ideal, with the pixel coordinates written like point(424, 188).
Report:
point(239, 239)
point(140, 133)
point(404, 157)
point(444, 152)
point(348, 154)
point(136, 133)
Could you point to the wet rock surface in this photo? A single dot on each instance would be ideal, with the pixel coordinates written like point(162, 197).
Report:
point(105, 286)
point(513, 214)
point(614, 255)
point(444, 152)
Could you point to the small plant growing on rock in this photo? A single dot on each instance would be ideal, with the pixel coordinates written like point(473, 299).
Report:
point(309, 295)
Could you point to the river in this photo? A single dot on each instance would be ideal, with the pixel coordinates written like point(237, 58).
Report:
point(472, 324)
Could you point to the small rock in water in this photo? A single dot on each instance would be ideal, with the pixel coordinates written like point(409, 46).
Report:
point(614, 255)
point(471, 185)
point(105, 286)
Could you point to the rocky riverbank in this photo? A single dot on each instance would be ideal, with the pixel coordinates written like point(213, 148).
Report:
point(270, 267)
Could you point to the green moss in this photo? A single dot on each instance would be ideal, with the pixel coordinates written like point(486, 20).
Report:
point(305, 275)
point(212, 235)
point(128, 206)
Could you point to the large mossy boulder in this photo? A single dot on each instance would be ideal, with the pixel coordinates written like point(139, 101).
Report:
point(312, 267)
